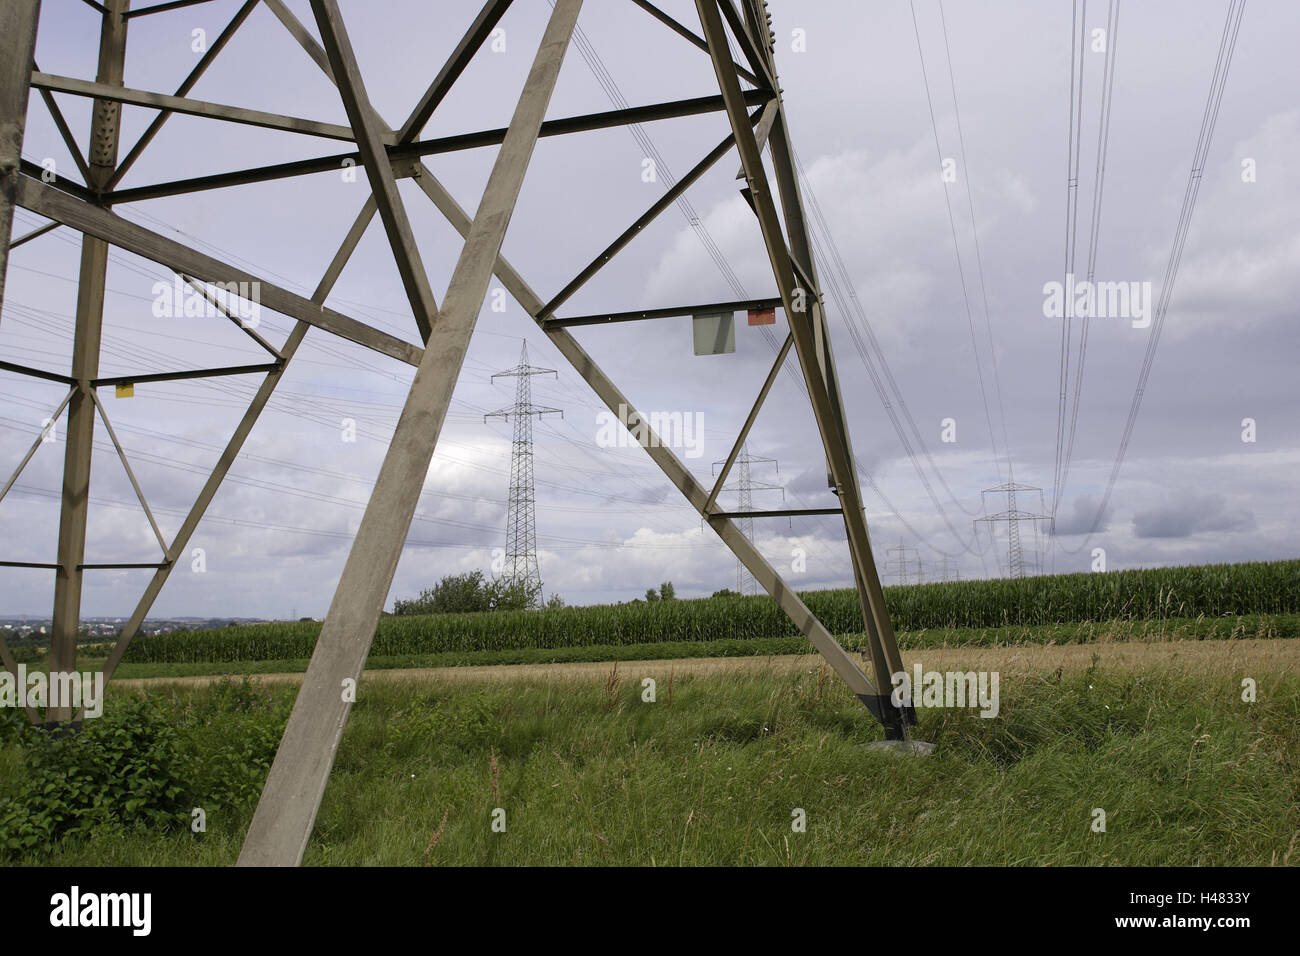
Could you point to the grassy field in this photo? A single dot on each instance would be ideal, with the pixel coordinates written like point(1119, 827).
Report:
point(1119, 691)
point(1210, 591)
point(1156, 734)
point(1088, 632)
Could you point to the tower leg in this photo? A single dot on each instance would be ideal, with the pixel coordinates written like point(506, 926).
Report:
point(807, 325)
point(17, 44)
point(286, 812)
point(79, 435)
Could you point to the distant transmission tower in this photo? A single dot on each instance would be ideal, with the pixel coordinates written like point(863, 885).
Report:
point(949, 572)
point(899, 568)
point(521, 526)
point(746, 487)
point(1012, 517)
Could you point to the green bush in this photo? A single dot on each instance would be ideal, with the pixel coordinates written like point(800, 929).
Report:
point(123, 768)
point(235, 727)
point(27, 653)
point(145, 765)
point(13, 724)
point(454, 594)
point(469, 593)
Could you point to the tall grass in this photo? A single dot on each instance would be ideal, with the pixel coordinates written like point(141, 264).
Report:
point(1157, 594)
point(589, 773)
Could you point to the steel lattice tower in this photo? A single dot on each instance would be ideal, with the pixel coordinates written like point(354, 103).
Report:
point(734, 36)
point(521, 518)
point(1013, 516)
point(745, 488)
point(900, 572)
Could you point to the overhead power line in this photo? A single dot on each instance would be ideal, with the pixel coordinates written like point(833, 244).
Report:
point(1099, 180)
point(1200, 155)
point(1078, 40)
point(956, 244)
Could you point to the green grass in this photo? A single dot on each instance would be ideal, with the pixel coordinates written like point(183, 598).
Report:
point(711, 773)
point(1211, 591)
point(1251, 625)
point(762, 647)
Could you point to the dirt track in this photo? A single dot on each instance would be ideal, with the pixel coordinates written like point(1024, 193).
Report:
point(1203, 656)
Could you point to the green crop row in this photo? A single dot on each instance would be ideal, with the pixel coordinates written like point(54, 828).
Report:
point(1156, 594)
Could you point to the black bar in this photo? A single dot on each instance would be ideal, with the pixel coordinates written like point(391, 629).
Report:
point(164, 7)
point(784, 513)
point(38, 373)
point(41, 174)
point(447, 144)
point(661, 313)
point(1090, 900)
point(103, 567)
point(28, 564)
point(194, 373)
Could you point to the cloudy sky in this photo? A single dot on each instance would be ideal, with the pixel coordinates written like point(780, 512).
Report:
point(966, 342)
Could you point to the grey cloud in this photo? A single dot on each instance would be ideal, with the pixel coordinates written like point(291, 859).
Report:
point(1079, 518)
point(1190, 514)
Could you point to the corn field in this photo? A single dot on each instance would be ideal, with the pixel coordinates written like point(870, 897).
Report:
point(1161, 593)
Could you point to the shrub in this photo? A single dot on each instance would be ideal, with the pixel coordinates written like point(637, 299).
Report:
point(470, 593)
point(506, 595)
point(235, 725)
point(124, 768)
point(454, 594)
point(27, 653)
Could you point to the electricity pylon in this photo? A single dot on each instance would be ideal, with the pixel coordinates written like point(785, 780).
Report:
point(521, 565)
point(1012, 516)
point(745, 487)
point(80, 198)
point(900, 570)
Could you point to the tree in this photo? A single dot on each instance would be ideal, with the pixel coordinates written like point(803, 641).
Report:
point(666, 591)
point(554, 602)
point(507, 595)
point(455, 593)
point(468, 593)
point(725, 593)
point(650, 594)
